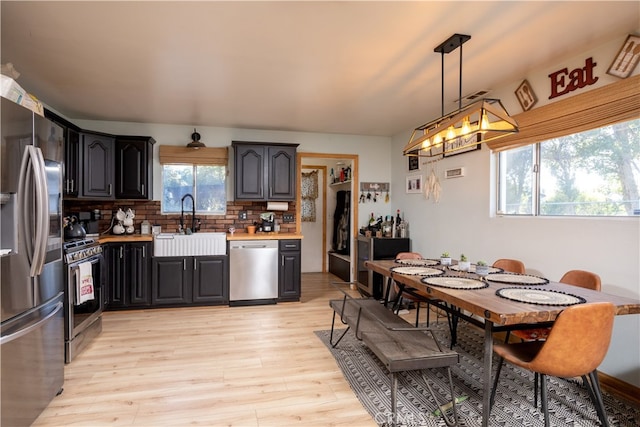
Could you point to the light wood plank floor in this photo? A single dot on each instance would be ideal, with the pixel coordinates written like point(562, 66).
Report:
point(214, 366)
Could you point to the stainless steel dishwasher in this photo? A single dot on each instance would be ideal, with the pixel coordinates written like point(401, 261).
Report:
point(253, 272)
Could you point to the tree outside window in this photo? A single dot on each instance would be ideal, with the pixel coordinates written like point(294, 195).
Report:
point(592, 173)
point(205, 183)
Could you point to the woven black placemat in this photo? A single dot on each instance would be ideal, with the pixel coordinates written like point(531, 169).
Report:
point(539, 296)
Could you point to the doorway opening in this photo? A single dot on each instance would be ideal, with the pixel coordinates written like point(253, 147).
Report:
point(330, 241)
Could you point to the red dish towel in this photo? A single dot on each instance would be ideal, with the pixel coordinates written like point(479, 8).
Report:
point(84, 283)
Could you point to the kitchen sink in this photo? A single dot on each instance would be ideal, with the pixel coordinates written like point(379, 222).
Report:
point(197, 244)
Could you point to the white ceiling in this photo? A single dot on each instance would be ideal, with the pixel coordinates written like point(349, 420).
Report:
point(363, 68)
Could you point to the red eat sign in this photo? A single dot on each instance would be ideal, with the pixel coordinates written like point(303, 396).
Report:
point(565, 81)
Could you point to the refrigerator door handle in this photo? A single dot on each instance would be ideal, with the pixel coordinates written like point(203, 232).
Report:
point(33, 186)
point(25, 209)
point(22, 332)
point(42, 194)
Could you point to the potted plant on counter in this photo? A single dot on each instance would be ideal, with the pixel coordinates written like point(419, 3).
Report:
point(445, 259)
point(482, 268)
point(464, 264)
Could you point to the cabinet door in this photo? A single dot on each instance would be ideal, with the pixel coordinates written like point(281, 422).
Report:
point(249, 172)
point(71, 182)
point(289, 271)
point(139, 265)
point(98, 171)
point(115, 277)
point(134, 171)
point(281, 172)
point(171, 280)
point(211, 279)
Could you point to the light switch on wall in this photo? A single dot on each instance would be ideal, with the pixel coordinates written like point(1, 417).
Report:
point(288, 217)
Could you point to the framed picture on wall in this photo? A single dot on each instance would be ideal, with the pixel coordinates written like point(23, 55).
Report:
point(526, 97)
point(462, 144)
point(627, 58)
point(414, 163)
point(414, 184)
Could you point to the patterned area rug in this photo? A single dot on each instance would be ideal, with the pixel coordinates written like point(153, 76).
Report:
point(569, 402)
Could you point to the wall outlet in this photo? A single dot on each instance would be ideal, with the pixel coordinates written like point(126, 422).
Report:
point(288, 217)
point(242, 215)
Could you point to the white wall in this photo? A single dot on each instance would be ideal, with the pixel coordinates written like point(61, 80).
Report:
point(464, 221)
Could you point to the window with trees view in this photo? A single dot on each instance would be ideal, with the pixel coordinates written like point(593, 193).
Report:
point(205, 183)
point(592, 173)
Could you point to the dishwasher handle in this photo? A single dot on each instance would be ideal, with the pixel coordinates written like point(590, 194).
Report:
point(254, 245)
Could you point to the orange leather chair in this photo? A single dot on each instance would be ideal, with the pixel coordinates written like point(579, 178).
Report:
point(582, 329)
point(510, 265)
point(584, 279)
point(409, 293)
point(581, 278)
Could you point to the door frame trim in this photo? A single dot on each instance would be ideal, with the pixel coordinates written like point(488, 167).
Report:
point(353, 202)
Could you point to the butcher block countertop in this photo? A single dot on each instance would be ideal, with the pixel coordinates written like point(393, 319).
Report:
point(126, 238)
point(263, 236)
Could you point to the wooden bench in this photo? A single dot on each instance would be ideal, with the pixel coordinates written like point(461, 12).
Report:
point(399, 346)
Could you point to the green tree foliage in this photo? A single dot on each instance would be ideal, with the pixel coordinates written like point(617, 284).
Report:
point(610, 153)
point(596, 172)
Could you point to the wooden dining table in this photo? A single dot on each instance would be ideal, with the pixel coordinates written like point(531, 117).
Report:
point(484, 308)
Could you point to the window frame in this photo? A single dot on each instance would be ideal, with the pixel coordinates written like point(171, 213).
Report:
point(184, 156)
point(536, 189)
point(193, 191)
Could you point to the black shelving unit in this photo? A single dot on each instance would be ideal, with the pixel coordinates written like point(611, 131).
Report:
point(377, 248)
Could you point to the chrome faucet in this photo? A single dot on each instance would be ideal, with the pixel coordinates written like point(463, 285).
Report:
point(195, 223)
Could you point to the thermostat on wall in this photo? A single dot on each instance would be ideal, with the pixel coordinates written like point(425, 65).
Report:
point(454, 173)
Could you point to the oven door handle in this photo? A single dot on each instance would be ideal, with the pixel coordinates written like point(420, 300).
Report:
point(94, 261)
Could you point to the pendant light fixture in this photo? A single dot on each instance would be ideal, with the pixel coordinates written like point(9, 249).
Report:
point(481, 121)
point(195, 141)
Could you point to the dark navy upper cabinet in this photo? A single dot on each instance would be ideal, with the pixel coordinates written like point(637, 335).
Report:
point(265, 171)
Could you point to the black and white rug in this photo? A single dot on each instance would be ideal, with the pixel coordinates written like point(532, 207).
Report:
point(569, 402)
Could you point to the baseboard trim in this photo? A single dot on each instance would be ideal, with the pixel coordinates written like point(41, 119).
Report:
point(619, 388)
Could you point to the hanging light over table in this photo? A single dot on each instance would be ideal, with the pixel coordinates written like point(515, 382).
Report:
point(481, 121)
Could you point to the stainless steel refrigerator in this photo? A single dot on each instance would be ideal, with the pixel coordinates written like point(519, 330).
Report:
point(32, 275)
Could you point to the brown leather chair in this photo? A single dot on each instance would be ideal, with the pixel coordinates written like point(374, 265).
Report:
point(582, 329)
point(584, 279)
point(409, 293)
point(581, 278)
point(510, 265)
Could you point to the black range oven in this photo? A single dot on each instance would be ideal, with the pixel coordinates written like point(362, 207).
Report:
point(83, 321)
